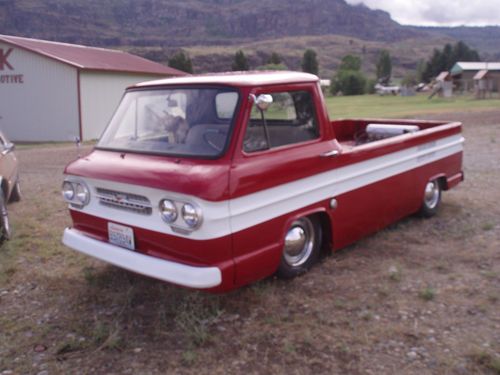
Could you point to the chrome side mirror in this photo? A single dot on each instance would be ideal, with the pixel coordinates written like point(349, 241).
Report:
point(262, 101)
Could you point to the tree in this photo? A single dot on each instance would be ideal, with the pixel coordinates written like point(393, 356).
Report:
point(384, 66)
point(181, 61)
point(348, 82)
point(350, 62)
point(272, 67)
point(445, 59)
point(240, 62)
point(275, 59)
point(310, 62)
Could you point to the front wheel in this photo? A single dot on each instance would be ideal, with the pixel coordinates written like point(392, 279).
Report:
point(5, 231)
point(432, 199)
point(302, 247)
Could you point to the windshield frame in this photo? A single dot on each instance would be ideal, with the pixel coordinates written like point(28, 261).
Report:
point(232, 121)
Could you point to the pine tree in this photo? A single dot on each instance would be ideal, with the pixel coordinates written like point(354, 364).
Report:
point(181, 61)
point(240, 62)
point(275, 59)
point(310, 62)
point(384, 66)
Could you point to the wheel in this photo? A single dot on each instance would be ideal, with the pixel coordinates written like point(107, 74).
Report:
point(4, 221)
point(432, 199)
point(15, 196)
point(301, 248)
point(215, 138)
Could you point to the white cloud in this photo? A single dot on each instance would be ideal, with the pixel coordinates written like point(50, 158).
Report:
point(439, 12)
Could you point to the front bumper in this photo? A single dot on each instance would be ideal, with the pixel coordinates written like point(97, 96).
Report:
point(177, 273)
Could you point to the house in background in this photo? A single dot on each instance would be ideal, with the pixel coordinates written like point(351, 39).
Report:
point(466, 75)
point(53, 91)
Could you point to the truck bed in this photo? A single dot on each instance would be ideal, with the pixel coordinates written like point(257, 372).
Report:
point(353, 132)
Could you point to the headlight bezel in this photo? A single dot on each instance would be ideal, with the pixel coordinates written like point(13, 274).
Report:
point(193, 211)
point(174, 210)
point(182, 222)
point(81, 193)
point(67, 186)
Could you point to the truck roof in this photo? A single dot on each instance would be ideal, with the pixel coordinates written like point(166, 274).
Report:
point(238, 79)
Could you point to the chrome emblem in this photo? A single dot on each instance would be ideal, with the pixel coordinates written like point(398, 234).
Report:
point(120, 197)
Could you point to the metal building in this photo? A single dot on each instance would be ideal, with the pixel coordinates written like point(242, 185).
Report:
point(464, 72)
point(53, 91)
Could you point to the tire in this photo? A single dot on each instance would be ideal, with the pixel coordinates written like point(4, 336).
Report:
point(301, 247)
point(5, 231)
point(432, 199)
point(15, 196)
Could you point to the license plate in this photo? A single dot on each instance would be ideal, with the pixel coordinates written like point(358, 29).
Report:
point(121, 235)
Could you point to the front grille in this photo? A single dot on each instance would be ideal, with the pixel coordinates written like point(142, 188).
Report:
point(124, 201)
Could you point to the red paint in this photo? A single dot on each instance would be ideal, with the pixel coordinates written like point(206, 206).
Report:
point(79, 96)
point(254, 253)
point(4, 62)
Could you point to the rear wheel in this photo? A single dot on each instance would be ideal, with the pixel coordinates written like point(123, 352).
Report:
point(5, 231)
point(302, 247)
point(432, 199)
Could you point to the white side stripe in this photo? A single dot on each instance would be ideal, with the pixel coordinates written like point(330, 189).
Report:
point(270, 203)
point(222, 218)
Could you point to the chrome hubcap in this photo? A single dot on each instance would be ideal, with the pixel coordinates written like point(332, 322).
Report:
point(299, 242)
point(431, 198)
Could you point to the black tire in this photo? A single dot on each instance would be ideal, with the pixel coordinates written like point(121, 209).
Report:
point(302, 247)
point(431, 200)
point(15, 196)
point(5, 231)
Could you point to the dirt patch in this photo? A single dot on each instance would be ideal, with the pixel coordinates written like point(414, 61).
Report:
point(421, 297)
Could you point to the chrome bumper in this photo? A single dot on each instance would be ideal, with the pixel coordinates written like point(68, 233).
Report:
point(177, 273)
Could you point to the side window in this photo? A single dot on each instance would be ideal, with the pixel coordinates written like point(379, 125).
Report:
point(225, 104)
point(289, 119)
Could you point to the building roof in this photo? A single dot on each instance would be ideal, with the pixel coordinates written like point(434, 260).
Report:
point(91, 58)
point(251, 78)
point(461, 66)
point(443, 76)
point(480, 75)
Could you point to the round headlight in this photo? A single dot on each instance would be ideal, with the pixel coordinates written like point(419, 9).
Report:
point(190, 215)
point(82, 194)
point(68, 191)
point(168, 211)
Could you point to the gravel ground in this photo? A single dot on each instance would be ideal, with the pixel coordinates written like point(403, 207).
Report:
point(421, 297)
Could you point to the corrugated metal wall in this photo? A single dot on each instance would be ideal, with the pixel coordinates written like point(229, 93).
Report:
point(100, 94)
point(38, 97)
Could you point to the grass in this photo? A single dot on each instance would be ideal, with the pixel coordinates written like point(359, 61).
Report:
point(427, 294)
point(397, 106)
point(486, 361)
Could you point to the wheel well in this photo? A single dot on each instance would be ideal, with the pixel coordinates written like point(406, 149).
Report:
point(326, 232)
point(443, 183)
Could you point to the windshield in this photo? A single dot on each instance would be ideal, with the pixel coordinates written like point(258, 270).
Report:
point(177, 122)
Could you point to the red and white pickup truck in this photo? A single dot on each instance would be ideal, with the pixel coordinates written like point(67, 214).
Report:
point(213, 182)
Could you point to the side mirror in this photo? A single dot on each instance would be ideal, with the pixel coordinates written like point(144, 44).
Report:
point(262, 101)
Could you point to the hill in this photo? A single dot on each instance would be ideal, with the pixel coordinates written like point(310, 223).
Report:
point(172, 23)
point(330, 49)
point(212, 30)
point(484, 39)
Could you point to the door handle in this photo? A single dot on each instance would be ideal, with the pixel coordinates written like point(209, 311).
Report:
point(330, 154)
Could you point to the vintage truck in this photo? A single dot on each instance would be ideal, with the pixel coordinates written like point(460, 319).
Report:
point(216, 181)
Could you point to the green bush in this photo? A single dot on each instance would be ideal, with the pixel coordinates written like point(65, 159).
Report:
point(348, 82)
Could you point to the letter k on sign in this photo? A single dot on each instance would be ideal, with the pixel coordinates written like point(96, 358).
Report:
point(3, 59)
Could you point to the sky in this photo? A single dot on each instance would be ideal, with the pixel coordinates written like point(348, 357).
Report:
point(439, 12)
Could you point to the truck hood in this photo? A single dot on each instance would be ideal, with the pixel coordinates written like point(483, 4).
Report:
point(206, 179)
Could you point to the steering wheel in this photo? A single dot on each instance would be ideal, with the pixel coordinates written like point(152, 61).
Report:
point(216, 135)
